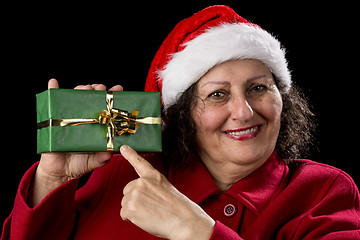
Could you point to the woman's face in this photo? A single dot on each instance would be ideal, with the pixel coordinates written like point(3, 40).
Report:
point(237, 114)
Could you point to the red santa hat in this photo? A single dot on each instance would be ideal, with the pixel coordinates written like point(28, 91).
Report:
point(210, 37)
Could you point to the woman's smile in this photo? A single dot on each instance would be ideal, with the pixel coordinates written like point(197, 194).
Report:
point(243, 133)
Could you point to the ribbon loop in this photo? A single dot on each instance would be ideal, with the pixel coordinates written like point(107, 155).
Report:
point(104, 117)
point(122, 121)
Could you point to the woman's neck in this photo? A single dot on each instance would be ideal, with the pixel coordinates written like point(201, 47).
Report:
point(225, 174)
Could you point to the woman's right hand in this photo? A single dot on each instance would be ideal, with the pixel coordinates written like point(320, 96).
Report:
point(55, 169)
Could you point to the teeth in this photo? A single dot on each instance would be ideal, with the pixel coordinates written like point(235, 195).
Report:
point(244, 132)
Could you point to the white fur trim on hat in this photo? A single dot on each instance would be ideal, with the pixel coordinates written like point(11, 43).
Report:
point(217, 45)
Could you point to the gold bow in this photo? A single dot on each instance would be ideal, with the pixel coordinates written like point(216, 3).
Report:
point(118, 121)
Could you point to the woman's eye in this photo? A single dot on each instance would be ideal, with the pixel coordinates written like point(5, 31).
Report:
point(258, 88)
point(218, 97)
point(216, 94)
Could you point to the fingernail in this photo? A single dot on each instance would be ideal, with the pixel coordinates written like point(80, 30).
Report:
point(124, 148)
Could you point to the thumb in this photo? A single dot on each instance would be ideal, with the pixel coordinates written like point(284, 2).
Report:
point(141, 166)
point(99, 159)
point(53, 83)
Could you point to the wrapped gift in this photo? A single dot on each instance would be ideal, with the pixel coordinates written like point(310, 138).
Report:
point(95, 121)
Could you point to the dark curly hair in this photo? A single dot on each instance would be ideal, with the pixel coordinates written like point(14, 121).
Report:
point(295, 137)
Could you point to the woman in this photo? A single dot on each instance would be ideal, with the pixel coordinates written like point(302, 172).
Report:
point(233, 124)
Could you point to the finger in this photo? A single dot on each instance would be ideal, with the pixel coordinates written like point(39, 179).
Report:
point(117, 88)
point(131, 185)
point(101, 87)
point(95, 86)
point(141, 166)
point(53, 83)
point(84, 87)
point(123, 214)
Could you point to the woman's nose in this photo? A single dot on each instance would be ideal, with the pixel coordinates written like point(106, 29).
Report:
point(241, 110)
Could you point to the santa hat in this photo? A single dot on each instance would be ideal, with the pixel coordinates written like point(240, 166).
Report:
point(206, 39)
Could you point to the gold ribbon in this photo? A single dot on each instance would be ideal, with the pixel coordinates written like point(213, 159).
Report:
point(118, 121)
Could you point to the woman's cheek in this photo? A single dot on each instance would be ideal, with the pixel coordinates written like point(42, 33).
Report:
point(271, 107)
point(210, 119)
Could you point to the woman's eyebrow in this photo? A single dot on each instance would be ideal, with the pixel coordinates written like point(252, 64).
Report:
point(257, 77)
point(217, 82)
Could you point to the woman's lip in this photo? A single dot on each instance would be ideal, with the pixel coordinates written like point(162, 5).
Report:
point(243, 133)
point(242, 129)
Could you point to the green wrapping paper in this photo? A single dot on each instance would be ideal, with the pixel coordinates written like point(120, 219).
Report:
point(55, 104)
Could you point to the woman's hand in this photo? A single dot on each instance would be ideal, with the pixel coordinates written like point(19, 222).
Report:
point(57, 168)
point(156, 206)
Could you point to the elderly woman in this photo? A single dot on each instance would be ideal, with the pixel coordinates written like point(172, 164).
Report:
point(233, 125)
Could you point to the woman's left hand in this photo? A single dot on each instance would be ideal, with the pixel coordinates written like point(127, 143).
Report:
point(152, 203)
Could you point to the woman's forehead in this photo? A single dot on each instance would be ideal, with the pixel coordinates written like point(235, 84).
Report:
point(244, 70)
point(228, 83)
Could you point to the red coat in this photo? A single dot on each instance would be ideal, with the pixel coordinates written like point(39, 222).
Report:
point(299, 200)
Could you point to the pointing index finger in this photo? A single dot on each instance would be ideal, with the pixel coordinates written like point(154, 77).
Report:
point(141, 166)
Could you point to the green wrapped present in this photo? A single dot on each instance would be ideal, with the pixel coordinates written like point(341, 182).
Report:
point(96, 121)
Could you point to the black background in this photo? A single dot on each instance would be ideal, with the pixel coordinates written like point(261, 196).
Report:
point(114, 44)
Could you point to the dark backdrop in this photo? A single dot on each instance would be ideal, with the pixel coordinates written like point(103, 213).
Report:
point(114, 44)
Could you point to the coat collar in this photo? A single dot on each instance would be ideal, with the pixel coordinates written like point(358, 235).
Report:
point(254, 191)
point(194, 180)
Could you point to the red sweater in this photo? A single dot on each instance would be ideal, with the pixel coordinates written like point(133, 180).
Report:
point(299, 200)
